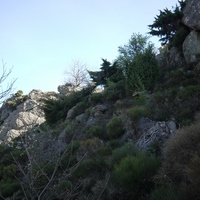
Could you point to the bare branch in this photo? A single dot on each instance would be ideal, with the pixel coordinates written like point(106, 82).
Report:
point(5, 92)
point(77, 74)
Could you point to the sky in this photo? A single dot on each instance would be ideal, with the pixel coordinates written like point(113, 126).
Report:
point(40, 39)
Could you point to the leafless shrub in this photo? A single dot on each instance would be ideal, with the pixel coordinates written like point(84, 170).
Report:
point(4, 92)
point(49, 165)
point(77, 75)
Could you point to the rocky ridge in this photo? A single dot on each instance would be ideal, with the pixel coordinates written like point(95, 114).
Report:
point(25, 116)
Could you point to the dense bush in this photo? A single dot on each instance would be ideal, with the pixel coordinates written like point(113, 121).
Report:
point(56, 109)
point(123, 151)
point(8, 188)
point(136, 112)
point(96, 98)
point(96, 131)
point(80, 107)
point(139, 65)
point(134, 175)
point(114, 91)
point(114, 128)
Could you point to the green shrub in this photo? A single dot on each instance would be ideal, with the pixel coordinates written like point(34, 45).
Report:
point(96, 98)
point(114, 91)
point(114, 128)
point(9, 188)
point(95, 131)
point(9, 172)
point(115, 143)
point(139, 64)
point(123, 151)
point(134, 175)
point(141, 100)
point(136, 112)
point(56, 110)
point(80, 108)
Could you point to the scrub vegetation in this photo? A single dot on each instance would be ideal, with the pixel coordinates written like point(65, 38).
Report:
point(96, 159)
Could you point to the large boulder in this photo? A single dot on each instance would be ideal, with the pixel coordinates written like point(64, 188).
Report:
point(27, 115)
point(71, 113)
point(191, 16)
point(191, 48)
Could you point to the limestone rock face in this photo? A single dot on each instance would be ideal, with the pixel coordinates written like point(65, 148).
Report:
point(191, 14)
point(191, 47)
point(27, 115)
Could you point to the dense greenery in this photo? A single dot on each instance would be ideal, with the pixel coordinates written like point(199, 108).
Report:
point(138, 62)
point(56, 109)
point(108, 72)
point(136, 67)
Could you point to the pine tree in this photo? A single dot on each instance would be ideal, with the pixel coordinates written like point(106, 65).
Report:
point(168, 22)
point(108, 72)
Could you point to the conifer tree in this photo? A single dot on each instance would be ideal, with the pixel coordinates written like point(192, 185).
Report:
point(168, 22)
point(107, 73)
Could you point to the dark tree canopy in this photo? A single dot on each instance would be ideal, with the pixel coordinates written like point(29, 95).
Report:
point(107, 73)
point(167, 23)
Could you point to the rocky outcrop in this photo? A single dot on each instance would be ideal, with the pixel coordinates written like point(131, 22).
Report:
point(26, 116)
point(191, 47)
point(65, 89)
point(191, 16)
point(190, 54)
point(149, 132)
point(71, 113)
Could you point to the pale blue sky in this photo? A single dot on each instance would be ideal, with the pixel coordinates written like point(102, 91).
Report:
point(40, 38)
